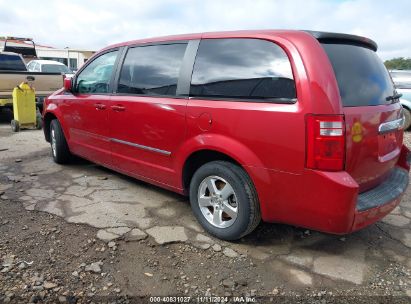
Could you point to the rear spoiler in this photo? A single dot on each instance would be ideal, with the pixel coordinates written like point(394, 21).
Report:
point(327, 37)
point(25, 51)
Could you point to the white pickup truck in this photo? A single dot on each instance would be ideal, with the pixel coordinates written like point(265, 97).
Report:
point(402, 81)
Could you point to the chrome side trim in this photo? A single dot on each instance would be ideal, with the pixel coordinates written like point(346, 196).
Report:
point(391, 125)
point(140, 146)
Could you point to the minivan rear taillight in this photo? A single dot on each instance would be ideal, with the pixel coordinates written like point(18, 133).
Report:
point(325, 142)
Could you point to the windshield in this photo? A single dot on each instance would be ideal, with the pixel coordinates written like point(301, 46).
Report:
point(55, 68)
point(362, 78)
point(11, 63)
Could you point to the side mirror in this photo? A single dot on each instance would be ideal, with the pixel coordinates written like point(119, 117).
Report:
point(67, 84)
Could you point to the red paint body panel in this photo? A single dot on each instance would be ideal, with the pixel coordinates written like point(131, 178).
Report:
point(86, 126)
point(368, 217)
point(322, 201)
point(366, 160)
point(154, 122)
point(267, 139)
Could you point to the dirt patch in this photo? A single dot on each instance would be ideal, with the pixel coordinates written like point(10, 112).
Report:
point(45, 259)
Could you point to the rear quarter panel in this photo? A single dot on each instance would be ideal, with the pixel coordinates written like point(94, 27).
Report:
point(268, 139)
point(275, 133)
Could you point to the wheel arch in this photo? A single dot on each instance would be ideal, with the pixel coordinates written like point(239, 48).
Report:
point(199, 158)
point(47, 118)
point(51, 112)
point(406, 103)
point(203, 149)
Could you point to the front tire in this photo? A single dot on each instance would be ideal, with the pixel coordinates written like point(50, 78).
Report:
point(39, 121)
point(15, 125)
point(224, 200)
point(59, 148)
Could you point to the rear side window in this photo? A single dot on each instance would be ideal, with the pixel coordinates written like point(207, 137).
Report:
point(152, 70)
point(362, 78)
point(242, 69)
point(11, 63)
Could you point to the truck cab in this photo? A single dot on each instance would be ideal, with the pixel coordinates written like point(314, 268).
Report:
point(13, 71)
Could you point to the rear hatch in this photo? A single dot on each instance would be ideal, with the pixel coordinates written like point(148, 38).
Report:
point(373, 114)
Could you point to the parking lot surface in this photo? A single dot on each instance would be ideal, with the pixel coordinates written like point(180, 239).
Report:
point(80, 231)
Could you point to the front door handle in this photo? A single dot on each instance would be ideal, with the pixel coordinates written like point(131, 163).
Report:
point(118, 108)
point(99, 106)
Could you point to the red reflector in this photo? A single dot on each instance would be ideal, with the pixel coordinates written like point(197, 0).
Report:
point(325, 147)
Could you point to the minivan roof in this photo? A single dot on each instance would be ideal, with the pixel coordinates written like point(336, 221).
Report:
point(321, 36)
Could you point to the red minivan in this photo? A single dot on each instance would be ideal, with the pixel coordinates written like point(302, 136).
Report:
point(295, 127)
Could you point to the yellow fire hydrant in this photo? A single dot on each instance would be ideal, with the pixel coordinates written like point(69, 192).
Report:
point(24, 108)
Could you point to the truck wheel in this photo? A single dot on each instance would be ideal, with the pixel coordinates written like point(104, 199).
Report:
point(39, 121)
point(224, 200)
point(59, 148)
point(407, 117)
point(15, 125)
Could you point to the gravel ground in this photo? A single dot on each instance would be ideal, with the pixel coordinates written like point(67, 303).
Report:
point(45, 260)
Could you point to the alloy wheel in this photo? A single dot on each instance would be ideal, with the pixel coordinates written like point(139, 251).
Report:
point(217, 201)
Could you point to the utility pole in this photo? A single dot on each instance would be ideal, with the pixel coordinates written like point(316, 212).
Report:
point(68, 56)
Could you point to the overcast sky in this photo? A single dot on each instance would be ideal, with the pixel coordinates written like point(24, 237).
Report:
point(94, 24)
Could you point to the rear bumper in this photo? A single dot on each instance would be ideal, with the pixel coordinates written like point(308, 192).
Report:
point(374, 204)
point(389, 190)
point(329, 201)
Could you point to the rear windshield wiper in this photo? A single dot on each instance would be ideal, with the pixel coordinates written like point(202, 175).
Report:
point(393, 97)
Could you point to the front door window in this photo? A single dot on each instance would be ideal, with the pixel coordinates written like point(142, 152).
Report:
point(96, 77)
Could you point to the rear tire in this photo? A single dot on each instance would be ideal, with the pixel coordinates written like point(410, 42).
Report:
point(59, 148)
point(407, 117)
point(15, 125)
point(39, 122)
point(224, 200)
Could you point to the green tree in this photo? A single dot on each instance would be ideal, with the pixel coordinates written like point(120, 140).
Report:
point(399, 63)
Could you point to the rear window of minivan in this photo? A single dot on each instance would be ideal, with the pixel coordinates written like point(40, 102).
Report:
point(362, 78)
